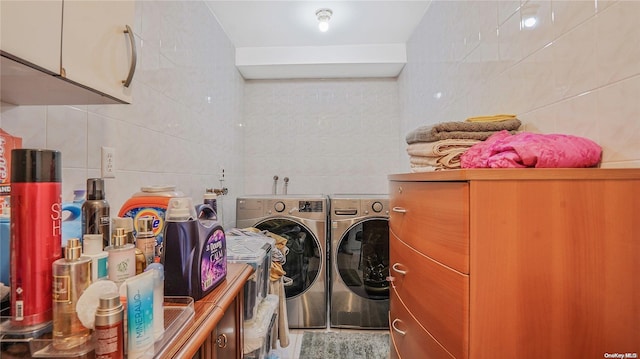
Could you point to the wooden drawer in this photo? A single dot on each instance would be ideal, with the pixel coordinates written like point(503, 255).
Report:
point(409, 339)
point(433, 218)
point(438, 296)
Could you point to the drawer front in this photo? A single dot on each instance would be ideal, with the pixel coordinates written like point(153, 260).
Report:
point(409, 339)
point(436, 296)
point(433, 218)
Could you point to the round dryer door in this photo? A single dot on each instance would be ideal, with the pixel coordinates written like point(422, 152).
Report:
point(303, 261)
point(362, 258)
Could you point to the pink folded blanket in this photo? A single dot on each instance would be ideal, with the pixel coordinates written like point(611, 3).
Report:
point(526, 149)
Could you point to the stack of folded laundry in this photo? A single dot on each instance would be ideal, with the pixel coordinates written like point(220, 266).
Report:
point(439, 146)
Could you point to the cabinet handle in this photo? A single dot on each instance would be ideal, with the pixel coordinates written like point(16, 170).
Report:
point(396, 268)
point(222, 341)
point(393, 325)
point(399, 210)
point(134, 57)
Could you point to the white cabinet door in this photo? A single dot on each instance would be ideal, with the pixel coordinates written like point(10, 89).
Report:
point(31, 31)
point(96, 49)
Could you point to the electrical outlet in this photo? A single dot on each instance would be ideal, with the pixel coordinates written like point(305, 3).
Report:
point(108, 162)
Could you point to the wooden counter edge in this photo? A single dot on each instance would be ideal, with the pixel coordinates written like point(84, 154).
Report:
point(214, 305)
point(506, 174)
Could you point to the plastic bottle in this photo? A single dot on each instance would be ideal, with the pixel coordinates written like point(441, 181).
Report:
point(92, 245)
point(72, 217)
point(95, 211)
point(127, 224)
point(194, 254)
point(122, 258)
point(158, 299)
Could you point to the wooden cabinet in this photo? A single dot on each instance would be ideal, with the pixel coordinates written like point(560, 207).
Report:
point(216, 329)
point(71, 52)
point(515, 263)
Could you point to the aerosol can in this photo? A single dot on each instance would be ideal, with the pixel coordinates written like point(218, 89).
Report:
point(194, 250)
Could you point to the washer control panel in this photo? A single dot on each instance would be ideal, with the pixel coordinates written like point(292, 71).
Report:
point(310, 206)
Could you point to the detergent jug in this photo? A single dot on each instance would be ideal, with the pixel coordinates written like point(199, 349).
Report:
point(194, 253)
point(151, 201)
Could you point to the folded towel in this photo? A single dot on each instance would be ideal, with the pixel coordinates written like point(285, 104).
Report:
point(447, 161)
point(439, 148)
point(494, 118)
point(525, 149)
point(420, 169)
point(460, 130)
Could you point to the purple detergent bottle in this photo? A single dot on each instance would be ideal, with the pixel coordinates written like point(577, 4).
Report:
point(194, 251)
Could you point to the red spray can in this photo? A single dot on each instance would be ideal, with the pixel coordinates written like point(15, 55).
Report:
point(36, 228)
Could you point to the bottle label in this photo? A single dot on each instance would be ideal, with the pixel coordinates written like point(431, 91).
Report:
point(101, 269)
point(61, 288)
point(214, 261)
point(109, 341)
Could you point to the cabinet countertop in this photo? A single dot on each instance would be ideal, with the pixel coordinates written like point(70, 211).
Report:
point(208, 312)
point(508, 174)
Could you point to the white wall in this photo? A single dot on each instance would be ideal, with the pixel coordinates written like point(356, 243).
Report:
point(183, 125)
point(577, 72)
point(327, 136)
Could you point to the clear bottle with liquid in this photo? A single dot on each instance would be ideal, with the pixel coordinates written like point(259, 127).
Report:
point(122, 258)
point(71, 276)
point(145, 239)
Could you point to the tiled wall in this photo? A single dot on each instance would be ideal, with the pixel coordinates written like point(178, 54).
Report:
point(183, 127)
point(577, 72)
point(327, 136)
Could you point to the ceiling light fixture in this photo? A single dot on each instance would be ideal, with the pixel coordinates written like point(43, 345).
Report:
point(323, 15)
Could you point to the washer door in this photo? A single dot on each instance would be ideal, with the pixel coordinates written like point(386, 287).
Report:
point(303, 262)
point(362, 258)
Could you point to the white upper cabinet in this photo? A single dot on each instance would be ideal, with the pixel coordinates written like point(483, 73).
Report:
point(69, 52)
point(32, 31)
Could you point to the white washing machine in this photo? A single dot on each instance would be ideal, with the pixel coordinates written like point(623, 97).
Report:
point(302, 220)
point(359, 252)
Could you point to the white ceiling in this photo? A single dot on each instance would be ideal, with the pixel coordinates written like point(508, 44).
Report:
point(280, 39)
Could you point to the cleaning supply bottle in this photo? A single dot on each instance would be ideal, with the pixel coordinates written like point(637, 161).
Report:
point(194, 255)
point(95, 211)
point(72, 217)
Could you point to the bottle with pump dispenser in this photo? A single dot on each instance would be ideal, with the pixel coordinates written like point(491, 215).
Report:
point(71, 276)
point(122, 258)
point(127, 224)
point(95, 211)
point(145, 239)
point(194, 255)
point(109, 327)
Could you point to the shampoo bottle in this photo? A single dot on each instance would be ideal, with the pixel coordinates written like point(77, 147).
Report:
point(71, 276)
point(95, 211)
point(158, 299)
point(122, 258)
